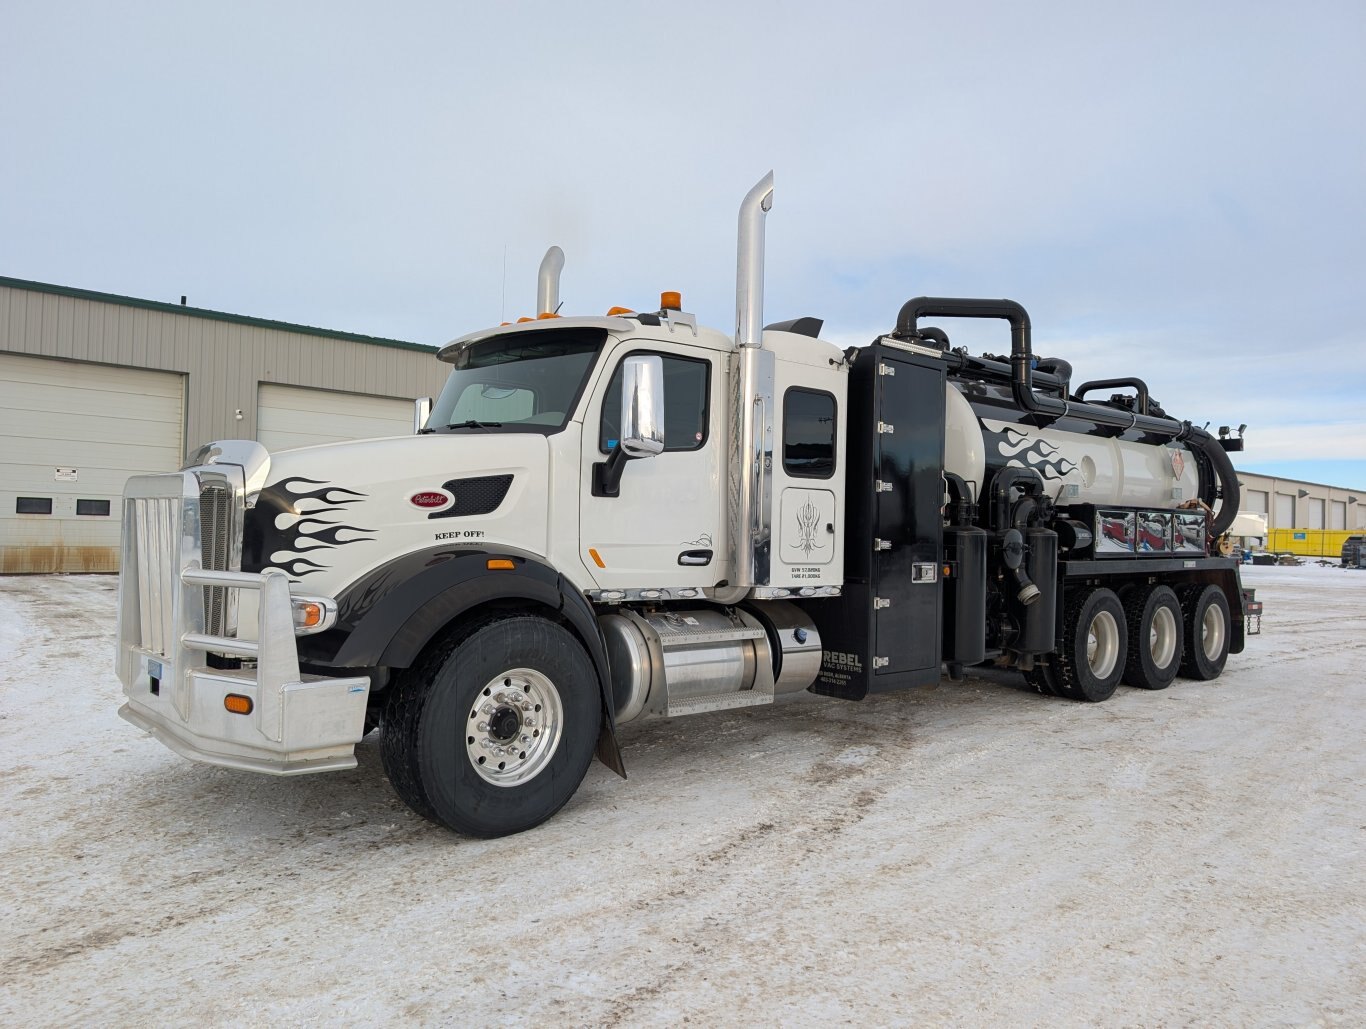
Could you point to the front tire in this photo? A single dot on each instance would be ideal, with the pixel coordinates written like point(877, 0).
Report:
point(1091, 654)
point(492, 732)
point(1155, 637)
point(1207, 632)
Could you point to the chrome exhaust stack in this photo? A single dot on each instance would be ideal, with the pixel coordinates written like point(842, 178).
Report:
point(749, 270)
point(548, 281)
point(750, 454)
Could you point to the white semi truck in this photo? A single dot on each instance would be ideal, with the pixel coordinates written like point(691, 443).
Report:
point(602, 519)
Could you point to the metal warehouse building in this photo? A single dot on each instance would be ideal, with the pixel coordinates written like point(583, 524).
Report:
point(96, 387)
point(1306, 518)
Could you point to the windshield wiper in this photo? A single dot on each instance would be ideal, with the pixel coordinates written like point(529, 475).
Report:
point(472, 424)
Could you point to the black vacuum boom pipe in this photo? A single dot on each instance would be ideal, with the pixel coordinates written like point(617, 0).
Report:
point(1022, 387)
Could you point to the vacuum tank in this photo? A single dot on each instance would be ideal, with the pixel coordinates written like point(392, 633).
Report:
point(1019, 412)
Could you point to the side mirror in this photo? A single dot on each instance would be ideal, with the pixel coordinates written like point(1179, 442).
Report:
point(642, 421)
point(642, 406)
point(422, 410)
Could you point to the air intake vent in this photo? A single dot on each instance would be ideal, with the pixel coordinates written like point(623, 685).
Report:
point(215, 536)
point(475, 496)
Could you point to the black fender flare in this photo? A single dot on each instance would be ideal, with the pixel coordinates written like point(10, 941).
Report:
point(387, 617)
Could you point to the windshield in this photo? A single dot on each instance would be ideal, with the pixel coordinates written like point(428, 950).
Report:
point(524, 382)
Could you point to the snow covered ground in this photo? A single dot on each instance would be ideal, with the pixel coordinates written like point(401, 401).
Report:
point(972, 853)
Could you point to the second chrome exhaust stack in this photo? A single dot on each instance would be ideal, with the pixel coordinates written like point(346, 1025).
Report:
point(548, 281)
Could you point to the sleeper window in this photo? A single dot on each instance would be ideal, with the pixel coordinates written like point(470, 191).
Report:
point(808, 434)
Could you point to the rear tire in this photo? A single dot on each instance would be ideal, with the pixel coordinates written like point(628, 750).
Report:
point(1156, 642)
point(1207, 632)
point(492, 732)
point(1042, 677)
point(1091, 653)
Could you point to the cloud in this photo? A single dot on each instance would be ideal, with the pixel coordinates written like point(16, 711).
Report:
point(1173, 190)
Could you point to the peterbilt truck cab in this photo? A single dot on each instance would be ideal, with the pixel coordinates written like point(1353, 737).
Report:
point(631, 516)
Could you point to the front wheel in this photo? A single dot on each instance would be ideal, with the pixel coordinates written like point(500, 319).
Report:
point(493, 730)
point(1091, 652)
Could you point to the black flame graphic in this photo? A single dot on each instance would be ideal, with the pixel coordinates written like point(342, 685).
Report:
point(286, 487)
point(1040, 455)
point(269, 544)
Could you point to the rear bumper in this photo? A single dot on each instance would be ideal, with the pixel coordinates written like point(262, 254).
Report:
point(289, 723)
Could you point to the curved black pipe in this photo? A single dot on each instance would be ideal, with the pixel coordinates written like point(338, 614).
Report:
point(1056, 366)
point(1225, 473)
point(1052, 408)
point(1138, 385)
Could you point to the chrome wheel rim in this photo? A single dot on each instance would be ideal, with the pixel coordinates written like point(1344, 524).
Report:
point(1102, 644)
point(514, 727)
point(1162, 637)
point(1212, 632)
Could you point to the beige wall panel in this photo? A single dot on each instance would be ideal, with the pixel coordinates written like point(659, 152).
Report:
point(290, 416)
point(106, 423)
point(224, 360)
point(220, 362)
point(1316, 513)
point(1283, 516)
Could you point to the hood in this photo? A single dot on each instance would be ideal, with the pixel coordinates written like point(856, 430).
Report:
point(330, 513)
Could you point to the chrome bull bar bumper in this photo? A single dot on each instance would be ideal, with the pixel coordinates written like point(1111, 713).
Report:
point(267, 718)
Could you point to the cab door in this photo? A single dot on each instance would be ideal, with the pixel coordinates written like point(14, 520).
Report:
point(663, 529)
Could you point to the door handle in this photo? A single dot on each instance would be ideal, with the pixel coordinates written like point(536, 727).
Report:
point(695, 557)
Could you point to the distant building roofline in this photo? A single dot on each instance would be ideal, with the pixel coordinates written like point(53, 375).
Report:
point(201, 312)
point(1298, 482)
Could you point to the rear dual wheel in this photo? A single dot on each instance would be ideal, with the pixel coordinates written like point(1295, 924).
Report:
point(1155, 637)
point(1092, 652)
point(1146, 640)
point(1207, 632)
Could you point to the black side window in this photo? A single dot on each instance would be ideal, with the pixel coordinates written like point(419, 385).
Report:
point(808, 434)
point(686, 388)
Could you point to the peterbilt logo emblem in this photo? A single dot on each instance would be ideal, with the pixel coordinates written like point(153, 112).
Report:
point(429, 499)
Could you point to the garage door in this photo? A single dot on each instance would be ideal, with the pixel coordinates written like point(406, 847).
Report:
point(291, 416)
point(70, 435)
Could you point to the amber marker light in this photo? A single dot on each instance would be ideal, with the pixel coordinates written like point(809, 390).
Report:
point(546, 314)
point(307, 614)
point(614, 311)
point(499, 564)
point(670, 300)
point(237, 704)
point(596, 559)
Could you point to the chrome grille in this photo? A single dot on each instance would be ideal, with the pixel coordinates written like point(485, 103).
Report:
point(215, 538)
point(156, 523)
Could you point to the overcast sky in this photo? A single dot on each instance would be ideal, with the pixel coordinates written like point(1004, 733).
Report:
point(1176, 191)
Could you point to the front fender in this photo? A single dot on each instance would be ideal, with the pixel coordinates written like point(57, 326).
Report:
point(389, 616)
